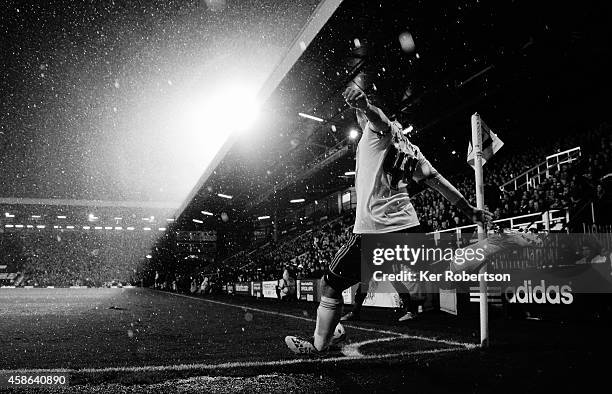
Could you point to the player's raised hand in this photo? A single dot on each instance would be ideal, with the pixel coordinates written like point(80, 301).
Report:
point(355, 98)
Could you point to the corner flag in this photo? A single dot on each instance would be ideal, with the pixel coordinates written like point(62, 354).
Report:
point(490, 145)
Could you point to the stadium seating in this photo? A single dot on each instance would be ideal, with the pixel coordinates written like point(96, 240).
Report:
point(307, 254)
point(74, 258)
point(68, 258)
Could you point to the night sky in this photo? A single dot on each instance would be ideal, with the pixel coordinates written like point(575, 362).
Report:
point(95, 96)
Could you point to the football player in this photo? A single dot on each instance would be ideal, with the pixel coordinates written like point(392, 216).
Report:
point(385, 157)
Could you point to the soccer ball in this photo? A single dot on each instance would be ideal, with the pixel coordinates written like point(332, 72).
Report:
point(339, 330)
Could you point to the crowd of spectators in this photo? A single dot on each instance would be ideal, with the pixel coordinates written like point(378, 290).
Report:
point(563, 188)
point(195, 283)
point(74, 258)
point(304, 256)
point(307, 255)
point(68, 258)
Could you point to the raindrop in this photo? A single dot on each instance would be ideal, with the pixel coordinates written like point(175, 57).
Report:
point(215, 5)
point(406, 42)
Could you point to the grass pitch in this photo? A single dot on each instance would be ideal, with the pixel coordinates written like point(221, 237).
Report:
point(139, 340)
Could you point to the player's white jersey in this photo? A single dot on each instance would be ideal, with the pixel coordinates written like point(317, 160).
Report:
point(380, 209)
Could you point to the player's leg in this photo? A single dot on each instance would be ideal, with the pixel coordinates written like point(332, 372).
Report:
point(360, 295)
point(343, 272)
point(409, 307)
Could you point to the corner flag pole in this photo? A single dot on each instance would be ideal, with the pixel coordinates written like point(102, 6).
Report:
point(477, 146)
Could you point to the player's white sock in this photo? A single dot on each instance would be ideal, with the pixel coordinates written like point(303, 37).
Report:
point(328, 316)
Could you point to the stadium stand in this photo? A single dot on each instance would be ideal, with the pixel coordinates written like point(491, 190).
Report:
point(568, 187)
point(563, 188)
point(74, 258)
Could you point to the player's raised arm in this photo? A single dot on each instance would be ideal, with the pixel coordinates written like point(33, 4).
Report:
point(425, 172)
point(357, 99)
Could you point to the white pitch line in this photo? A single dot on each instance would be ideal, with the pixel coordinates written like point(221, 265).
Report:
point(352, 349)
point(232, 365)
point(398, 334)
point(355, 356)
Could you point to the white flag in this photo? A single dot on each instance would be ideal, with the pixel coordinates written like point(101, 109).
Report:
point(490, 145)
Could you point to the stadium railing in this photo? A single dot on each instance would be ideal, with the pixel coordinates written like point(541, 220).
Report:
point(534, 176)
point(551, 220)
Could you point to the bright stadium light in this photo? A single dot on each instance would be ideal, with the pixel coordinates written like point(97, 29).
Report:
point(19, 226)
point(353, 134)
point(29, 226)
point(149, 256)
point(297, 200)
point(70, 227)
point(41, 226)
point(197, 221)
point(118, 228)
point(91, 217)
point(236, 102)
point(36, 216)
point(232, 107)
point(170, 220)
point(61, 217)
point(225, 196)
point(263, 217)
point(8, 215)
point(303, 115)
point(86, 227)
point(199, 122)
point(349, 173)
point(146, 228)
point(9, 226)
point(162, 229)
point(130, 228)
point(207, 213)
point(98, 228)
point(108, 228)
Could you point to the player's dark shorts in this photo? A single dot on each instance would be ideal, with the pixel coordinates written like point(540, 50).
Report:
point(345, 268)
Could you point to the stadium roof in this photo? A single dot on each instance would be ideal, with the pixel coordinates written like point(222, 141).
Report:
point(516, 63)
point(103, 100)
point(83, 110)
